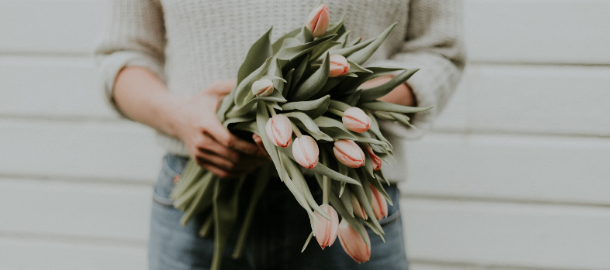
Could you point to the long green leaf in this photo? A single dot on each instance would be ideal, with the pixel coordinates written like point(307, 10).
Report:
point(313, 84)
point(225, 206)
point(391, 107)
point(382, 90)
point(305, 122)
point(365, 53)
point(313, 108)
point(258, 53)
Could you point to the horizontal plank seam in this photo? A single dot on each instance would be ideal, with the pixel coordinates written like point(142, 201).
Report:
point(62, 118)
point(106, 241)
point(148, 182)
point(444, 197)
point(481, 266)
point(518, 63)
point(468, 131)
point(47, 54)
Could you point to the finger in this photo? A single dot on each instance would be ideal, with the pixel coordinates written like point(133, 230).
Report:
point(221, 87)
point(217, 161)
point(259, 141)
point(216, 148)
point(225, 138)
point(215, 170)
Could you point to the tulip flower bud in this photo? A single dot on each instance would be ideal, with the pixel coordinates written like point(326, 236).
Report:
point(338, 65)
point(305, 151)
point(326, 230)
point(262, 88)
point(352, 242)
point(376, 160)
point(349, 153)
point(358, 209)
point(356, 120)
point(318, 20)
point(279, 130)
point(380, 205)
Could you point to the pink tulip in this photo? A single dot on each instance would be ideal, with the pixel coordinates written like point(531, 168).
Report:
point(358, 209)
point(376, 160)
point(356, 120)
point(305, 151)
point(338, 65)
point(262, 88)
point(279, 130)
point(318, 20)
point(352, 242)
point(349, 153)
point(326, 230)
point(380, 205)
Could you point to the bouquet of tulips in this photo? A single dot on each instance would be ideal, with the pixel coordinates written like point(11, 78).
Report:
point(302, 96)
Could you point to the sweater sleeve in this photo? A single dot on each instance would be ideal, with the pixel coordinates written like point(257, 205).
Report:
point(433, 43)
point(134, 35)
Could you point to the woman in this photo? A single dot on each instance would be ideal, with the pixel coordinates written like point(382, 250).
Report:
point(168, 63)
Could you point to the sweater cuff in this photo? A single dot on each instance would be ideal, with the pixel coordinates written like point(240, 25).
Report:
point(428, 88)
point(111, 65)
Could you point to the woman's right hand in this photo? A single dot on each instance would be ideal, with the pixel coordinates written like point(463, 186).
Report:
point(208, 141)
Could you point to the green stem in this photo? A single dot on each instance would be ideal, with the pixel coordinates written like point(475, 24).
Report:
point(325, 189)
point(296, 130)
point(271, 109)
point(335, 111)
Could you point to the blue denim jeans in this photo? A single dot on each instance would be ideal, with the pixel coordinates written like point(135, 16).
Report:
point(276, 237)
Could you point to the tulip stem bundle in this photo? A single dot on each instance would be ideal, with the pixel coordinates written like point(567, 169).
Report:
point(307, 83)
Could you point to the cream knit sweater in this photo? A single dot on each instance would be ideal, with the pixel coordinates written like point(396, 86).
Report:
point(190, 43)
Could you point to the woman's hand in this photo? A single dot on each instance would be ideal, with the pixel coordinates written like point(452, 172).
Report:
point(208, 141)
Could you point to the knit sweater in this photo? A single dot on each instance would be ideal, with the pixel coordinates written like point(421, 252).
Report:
point(190, 43)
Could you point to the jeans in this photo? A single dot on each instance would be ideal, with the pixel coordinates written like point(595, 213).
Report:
point(278, 232)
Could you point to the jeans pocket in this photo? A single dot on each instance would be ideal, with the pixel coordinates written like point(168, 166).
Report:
point(393, 210)
point(170, 172)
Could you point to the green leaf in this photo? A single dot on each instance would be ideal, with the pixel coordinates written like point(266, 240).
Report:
point(353, 42)
point(309, 125)
point(235, 120)
point(357, 68)
point(365, 53)
point(243, 92)
point(374, 93)
point(365, 200)
point(260, 185)
point(390, 107)
point(402, 119)
point(377, 184)
point(307, 242)
point(305, 35)
point(287, 86)
point(295, 51)
point(338, 105)
point(277, 45)
point(350, 85)
point(353, 98)
point(226, 203)
point(374, 128)
point(313, 84)
point(330, 85)
point(245, 109)
point(350, 49)
point(246, 126)
point(301, 183)
point(313, 108)
point(298, 73)
point(258, 53)
point(334, 128)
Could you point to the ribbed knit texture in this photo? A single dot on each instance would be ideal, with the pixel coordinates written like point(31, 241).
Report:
point(191, 43)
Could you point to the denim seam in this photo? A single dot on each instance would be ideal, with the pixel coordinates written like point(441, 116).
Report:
point(389, 219)
point(162, 201)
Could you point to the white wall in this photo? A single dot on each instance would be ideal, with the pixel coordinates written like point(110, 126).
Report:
point(514, 176)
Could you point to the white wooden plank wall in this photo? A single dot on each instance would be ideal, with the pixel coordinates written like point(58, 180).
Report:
point(514, 176)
